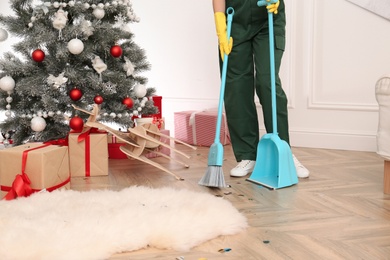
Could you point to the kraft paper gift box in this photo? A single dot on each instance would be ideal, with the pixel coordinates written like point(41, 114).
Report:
point(198, 127)
point(46, 165)
point(161, 149)
point(88, 153)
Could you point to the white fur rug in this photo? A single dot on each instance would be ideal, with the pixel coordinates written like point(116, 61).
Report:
point(96, 224)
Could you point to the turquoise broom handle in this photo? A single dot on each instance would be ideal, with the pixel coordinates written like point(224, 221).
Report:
point(272, 62)
point(230, 13)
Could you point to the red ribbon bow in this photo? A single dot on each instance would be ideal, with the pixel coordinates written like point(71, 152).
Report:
point(20, 187)
point(21, 184)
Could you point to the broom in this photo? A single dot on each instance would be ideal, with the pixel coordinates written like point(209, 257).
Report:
point(214, 174)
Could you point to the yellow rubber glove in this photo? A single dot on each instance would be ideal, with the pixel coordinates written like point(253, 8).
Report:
point(225, 46)
point(273, 8)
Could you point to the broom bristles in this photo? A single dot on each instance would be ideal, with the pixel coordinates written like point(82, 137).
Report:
point(213, 178)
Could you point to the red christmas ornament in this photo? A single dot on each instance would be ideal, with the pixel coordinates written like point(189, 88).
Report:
point(128, 102)
point(76, 124)
point(38, 55)
point(75, 94)
point(98, 99)
point(116, 51)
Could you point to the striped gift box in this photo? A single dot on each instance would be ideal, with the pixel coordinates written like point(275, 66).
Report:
point(198, 127)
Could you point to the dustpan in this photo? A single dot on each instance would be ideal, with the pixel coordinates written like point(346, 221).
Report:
point(274, 166)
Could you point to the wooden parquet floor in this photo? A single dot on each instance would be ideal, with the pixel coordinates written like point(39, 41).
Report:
point(340, 212)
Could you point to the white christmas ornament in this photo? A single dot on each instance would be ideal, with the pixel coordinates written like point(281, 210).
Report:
point(75, 46)
point(98, 65)
point(7, 83)
point(128, 67)
point(38, 124)
point(87, 28)
point(99, 13)
point(140, 91)
point(56, 4)
point(60, 19)
point(57, 81)
point(3, 35)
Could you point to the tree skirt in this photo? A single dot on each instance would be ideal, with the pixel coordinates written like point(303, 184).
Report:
point(96, 224)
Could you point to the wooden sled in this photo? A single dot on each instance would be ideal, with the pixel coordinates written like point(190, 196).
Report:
point(138, 133)
point(91, 122)
point(139, 141)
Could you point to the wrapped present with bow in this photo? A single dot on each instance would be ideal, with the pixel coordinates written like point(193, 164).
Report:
point(88, 153)
point(33, 167)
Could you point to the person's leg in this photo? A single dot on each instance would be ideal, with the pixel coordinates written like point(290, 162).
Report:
point(239, 102)
point(263, 83)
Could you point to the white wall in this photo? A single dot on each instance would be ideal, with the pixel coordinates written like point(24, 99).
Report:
point(342, 51)
point(335, 53)
point(179, 37)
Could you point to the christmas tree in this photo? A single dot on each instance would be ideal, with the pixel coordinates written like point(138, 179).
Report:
point(77, 53)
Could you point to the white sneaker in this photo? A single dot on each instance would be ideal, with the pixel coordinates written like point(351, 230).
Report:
point(243, 168)
point(302, 171)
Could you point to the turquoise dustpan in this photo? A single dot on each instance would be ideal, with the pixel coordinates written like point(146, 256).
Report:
point(274, 162)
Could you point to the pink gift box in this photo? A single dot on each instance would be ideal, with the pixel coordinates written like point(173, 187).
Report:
point(198, 127)
point(161, 149)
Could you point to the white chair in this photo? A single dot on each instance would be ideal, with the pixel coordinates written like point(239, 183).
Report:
point(382, 93)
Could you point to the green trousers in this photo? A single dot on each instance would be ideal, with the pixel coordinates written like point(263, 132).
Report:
point(248, 73)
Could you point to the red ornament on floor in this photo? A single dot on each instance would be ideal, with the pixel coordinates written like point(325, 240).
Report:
point(38, 55)
point(128, 102)
point(116, 51)
point(98, 99)
point(76, 124)
point(75, 94)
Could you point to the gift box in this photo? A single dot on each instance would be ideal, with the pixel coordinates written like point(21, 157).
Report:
point(34, 166)
point(114, 151)
point(88, 153)
point(157, 100)
point(114, 145)
point(161, 149)
point(198, 127)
